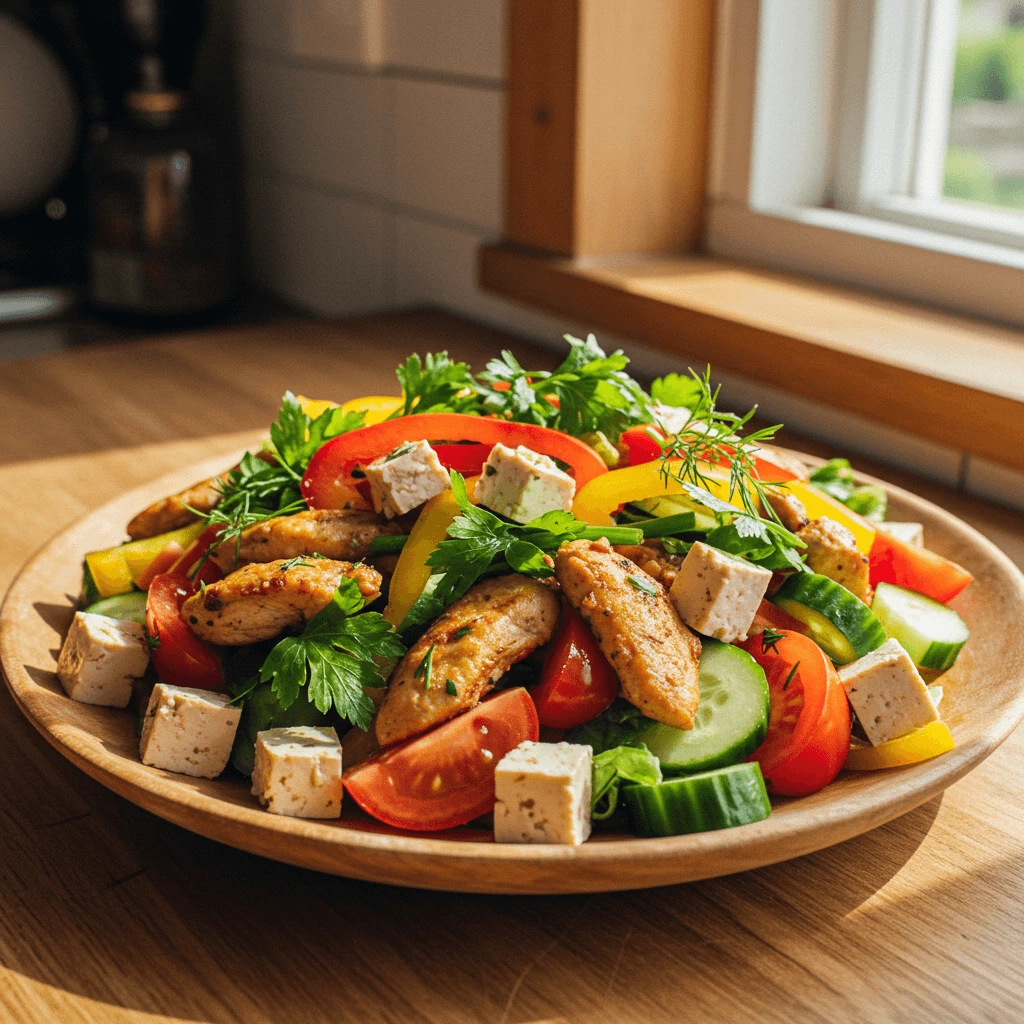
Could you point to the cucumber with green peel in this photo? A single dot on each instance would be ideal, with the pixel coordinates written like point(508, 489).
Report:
point(90, 592)
point(128, 607)
point(677, 504)
point(722, 798)
point(929, 632)
point(731, 720)
point(842, 625)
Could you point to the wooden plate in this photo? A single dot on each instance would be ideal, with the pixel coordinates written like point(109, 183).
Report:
point(984, 700)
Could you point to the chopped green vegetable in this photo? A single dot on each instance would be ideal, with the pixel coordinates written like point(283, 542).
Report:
point(335, 656)
point(387, 545)
point(450, 688)
point(637, 583)
point(614, 767)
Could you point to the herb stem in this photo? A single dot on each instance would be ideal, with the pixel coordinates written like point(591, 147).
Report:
point(387, 545)
point(614, 534)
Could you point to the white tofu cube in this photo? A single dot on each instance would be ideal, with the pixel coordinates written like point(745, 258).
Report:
point(101, 658)
point(671, 418)
point(405, 478)
point(718, 594)
point(521, 485)
point(188, 731)
point(298, 771)
point(909, 533)
point(542, 793)
point(887, 693)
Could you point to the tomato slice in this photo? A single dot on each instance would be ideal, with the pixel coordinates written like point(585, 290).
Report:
point(809, 726)
point(893, 561)
point(161, 564)
point(329, 471)
point(209, 572)
point(445, 777)
point(577, 682)
point(180, 658)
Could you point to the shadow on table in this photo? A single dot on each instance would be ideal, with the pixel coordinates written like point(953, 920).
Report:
point(130, 911)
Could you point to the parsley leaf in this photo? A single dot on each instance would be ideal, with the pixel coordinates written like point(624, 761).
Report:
point(296, 437)
point(679, 391)
point(835, 477)
point(480, 543)
point(435, 384)
point(612, 768)
point(335, 657)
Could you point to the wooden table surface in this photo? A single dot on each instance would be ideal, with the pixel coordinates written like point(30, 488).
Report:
point(109, 914)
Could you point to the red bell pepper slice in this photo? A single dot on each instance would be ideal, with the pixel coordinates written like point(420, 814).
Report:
point(328, 475)
point(893, 561)
point(467, 459)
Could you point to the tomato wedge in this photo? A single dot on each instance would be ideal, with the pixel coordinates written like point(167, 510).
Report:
point(445, 777)
point(893, 561)
point(809, 726)
point(180, 658)
point(577, 682)
point(209, 572)
point(329, 472)
point(642, 444)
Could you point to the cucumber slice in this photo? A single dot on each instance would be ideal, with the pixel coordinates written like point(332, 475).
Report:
point(731, 720)
point(699, 803)
point(677, 504)
point(90, 592)
point(842, 625)
point(129, 607)
point(929, 632)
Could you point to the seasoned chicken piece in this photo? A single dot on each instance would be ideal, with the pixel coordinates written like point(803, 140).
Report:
point(641, 634)
point(653, 559)
point(832, 552)
point(788, 507)
point(333, 533)
point(171, 514)
point(475, 642)
point(787, 460)
point(259, 601)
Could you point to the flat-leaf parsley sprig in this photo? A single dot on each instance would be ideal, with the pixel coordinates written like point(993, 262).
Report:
point(480, 543)
point(335, 656)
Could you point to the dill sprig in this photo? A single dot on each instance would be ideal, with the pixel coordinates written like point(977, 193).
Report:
point(712, 436)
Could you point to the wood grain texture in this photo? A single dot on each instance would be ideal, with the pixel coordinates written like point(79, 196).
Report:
point(111, 914)
point(608, 114)
point(876, 357)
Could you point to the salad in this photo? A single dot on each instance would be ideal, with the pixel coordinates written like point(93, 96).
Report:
point(555, 598)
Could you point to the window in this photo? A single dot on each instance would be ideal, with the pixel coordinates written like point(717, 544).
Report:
point(878, 142)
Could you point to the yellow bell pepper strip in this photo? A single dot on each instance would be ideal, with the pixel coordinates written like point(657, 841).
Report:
point(596, 500)
point(115, 570)
point(377, 408)
point(412, 572)
point(920, 745)
point(819, 504)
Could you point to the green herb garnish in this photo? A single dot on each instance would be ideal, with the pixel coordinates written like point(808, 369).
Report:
point(425, 667)
point(450, 688)
point(789, 678)
point(641, 584)
point(335, 657)
point(770, 640)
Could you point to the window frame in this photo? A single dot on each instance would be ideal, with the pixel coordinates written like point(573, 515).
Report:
point(833, 209)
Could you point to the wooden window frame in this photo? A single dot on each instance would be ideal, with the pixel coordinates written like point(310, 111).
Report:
point(609, 106)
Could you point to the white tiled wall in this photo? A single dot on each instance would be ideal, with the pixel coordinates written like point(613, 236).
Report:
point(373, 144)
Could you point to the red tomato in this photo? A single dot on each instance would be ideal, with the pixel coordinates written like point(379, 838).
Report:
point(893, 561)
point(577, 682)
point(180, 658)
point(161, 564)
point(329, 471)
point(772, 615)
point(210, 572)
point(642, 444)
point(809, 728)
point(445, 777)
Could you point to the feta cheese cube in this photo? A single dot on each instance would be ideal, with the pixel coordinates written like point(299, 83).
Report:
point(522, 485)
point(887, 693)
point(298, 771)
point(100, 659)
point(718, 594)
point(909, 533)
point(405, 478)
point(188, 731)
point(542, 793)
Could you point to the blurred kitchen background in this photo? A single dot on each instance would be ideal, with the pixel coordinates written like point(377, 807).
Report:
point(167, 164)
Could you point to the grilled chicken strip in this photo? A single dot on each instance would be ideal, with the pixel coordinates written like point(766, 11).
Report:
point(788, 507)
point(333, 533)
point(641, 634)
point(171, 514)
point(475, 642)
point(832, 552)
point(259, 601)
